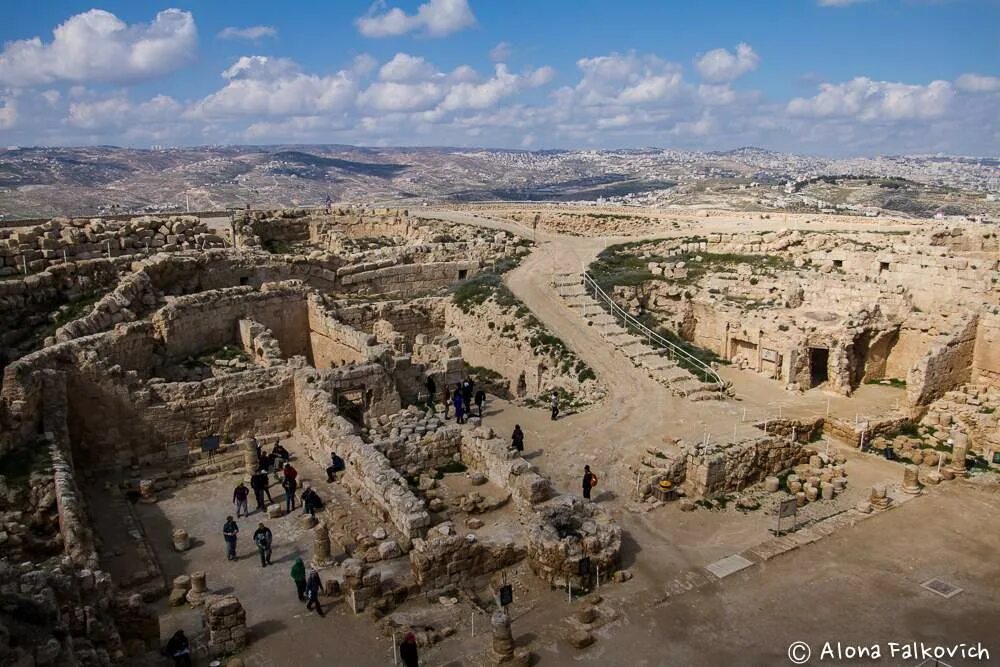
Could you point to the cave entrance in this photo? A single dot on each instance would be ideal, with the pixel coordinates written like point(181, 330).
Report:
point(819, 359)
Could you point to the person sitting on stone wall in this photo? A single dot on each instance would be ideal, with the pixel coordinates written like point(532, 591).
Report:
point(336, 465)
point(280, 452)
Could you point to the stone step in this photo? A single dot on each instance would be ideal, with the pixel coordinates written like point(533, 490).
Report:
point(637, 350)
point(568, 291)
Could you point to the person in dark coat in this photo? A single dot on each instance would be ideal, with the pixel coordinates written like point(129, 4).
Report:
point(408, 651)
point(280, 452)
point(229, 532)
point(311, 502)
point(554, 404)
point(468, 389)
point(299, 577)
point(240, 495)
point(588, 482)
point(336, 465)
point(262, 537)
point(431, 391)
point(260, 483)
point(179, 649)
point(479, 399)
point(517, 438)
point(313, 586)
point(456, 400)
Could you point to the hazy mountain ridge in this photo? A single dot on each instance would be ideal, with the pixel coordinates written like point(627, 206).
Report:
point(39, 182)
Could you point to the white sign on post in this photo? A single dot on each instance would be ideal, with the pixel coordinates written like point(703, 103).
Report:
point(785, 509)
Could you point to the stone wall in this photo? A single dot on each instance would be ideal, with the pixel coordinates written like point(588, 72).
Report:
point(443, 562)
point(946, 366)
point(420, 449)
point(192, 324)
point(369, 476)
point(482, 450)
point(62, 240)
point(391, 278)
point(986, 356)
point(722, 468)
point(333, 342)
point(510, 341)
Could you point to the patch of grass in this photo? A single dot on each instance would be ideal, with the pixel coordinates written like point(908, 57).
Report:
point(480, 288)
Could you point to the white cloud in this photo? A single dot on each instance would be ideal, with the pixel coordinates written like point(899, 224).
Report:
point(721, 66)
point(863, 99)
point(487, 94)
point(96, 46)
point(839, 3)
point(260, 85)
point(624, 79)
point(404, 67)
point(977, 83)
point(393, 96)
point(253, 32)
point(501, 52)
point(435, 18)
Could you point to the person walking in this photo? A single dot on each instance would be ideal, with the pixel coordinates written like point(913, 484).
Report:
point(289, 472)
point(431, 392)
point(589, 480)
point(179, 649)
point(480, 399)
point(240, 495)
point(229, 532)
point(555, 405)
point(456, 400)
point(299, 577)
point(517, 438)
point(262, 537)
point(313, 586)
point(288, 484)
point(259, 484)
point(408, 651)
point(468, 391)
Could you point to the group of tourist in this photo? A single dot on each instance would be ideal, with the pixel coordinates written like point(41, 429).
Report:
point(463, 398)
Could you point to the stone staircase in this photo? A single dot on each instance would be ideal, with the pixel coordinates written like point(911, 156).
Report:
point(641, 352)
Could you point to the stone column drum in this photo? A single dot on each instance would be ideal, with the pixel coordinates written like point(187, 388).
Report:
point(321, 547)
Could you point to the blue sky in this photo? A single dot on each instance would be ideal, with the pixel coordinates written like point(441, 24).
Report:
point(812, 76)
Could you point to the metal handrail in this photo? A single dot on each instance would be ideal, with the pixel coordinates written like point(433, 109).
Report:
point(708, 373)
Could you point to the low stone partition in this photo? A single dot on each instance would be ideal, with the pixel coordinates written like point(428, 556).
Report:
point(719, 468)
point(857, 433)
point(567, 530)
point(415, 443)
point(803, 430)
point(368, 477)
point(482, 450)
point(444, 561)
point(405, 279)
point(260, 343)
